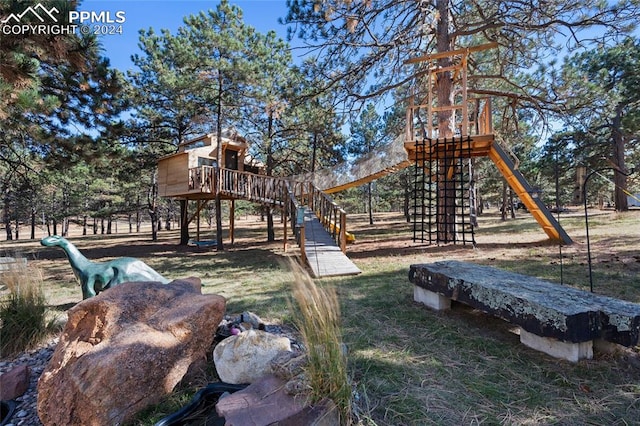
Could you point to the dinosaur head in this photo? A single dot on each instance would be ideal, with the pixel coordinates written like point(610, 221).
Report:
point(52, 241)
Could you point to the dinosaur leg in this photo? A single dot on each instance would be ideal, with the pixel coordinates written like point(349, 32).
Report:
point(107, 279)
point(88, 288)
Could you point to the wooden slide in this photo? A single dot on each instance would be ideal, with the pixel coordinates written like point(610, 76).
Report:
point(525, 192)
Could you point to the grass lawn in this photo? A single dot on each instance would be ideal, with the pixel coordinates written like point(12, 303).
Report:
point(410, 365)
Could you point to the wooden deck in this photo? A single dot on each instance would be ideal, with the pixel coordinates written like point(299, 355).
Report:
point(323, 254)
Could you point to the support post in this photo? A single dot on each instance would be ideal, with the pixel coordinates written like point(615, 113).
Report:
point(232, 221)
point(198, 222)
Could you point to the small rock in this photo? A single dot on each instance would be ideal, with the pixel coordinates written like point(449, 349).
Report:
point(288, 365)
point(246, 357)
point(14, 382)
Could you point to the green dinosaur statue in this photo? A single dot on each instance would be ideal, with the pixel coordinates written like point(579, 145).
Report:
point(95, 277)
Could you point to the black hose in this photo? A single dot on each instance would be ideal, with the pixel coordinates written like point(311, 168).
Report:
point(6, 411)
point(211, 390)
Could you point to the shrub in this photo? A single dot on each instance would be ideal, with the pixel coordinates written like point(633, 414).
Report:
point(23, 310)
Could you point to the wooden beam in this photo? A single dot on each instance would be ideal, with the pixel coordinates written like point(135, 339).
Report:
point(439, 55)
point(200, 207)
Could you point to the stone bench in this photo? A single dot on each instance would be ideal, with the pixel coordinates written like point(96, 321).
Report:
point(559, 320)
point(9, 263)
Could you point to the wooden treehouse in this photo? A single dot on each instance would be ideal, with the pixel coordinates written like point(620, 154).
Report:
point(193, 174)
point(189, 173)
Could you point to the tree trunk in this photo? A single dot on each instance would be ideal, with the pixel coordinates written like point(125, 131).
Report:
point(184, 224)
point(138, 214)
point(33, 224)
point(503, 209)
point(407, 197)
point(473, 197)
point(370, 203)
point(5, 217)
point(313, 152)
point(216, 172)
point(444, 93)
point(513, 210)
point(271, 235)
point(619, 179)
point(152, 205)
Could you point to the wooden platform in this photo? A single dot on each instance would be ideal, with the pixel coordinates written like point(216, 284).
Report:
point(323, 254)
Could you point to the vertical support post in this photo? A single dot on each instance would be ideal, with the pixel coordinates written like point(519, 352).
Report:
point(432, 83)
point(232, 221)
point(198, 220)
point(465, 107)
point(285, 208)
point(409, 132)
point(343, 232)
point(301, 236)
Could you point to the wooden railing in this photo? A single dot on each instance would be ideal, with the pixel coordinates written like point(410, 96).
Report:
point(295, 210)
point(290, 195)
point(472, 118)
point(201, 179)
point(332, 217)
point(249, 186)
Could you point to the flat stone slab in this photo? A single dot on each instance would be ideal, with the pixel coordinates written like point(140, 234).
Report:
point(537, 306)
point(7, 263)
point(262, 403)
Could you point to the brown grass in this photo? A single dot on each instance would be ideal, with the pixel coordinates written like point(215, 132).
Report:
point(410, 365)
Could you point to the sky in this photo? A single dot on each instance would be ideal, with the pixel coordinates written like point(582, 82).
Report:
point(160, 14)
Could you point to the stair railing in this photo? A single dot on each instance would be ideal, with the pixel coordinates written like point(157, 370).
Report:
point(295, 210)
point(332, 217)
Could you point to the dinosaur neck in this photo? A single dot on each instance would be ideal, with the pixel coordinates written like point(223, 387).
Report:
point(76, 259)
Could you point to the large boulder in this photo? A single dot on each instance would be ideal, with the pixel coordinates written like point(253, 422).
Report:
point(246, 357)
point(125, 349)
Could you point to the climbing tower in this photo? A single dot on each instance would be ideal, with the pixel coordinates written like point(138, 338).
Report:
point(445, 129)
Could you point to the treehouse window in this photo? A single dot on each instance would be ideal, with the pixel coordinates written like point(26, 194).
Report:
point(195, 144)
point(203, 161)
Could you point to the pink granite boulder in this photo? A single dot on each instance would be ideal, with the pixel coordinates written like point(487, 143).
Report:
point(125, 349)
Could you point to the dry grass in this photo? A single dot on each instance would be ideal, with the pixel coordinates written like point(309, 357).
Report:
point(317, 316)
point(410, 365)
point(24, 319)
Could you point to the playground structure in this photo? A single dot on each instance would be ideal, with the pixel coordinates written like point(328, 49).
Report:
point(440, 150)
